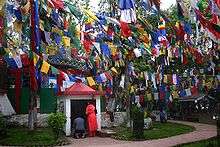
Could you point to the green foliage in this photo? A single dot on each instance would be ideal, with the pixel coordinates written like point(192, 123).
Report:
point(25, 137)
point(56, 121)
point(158, 131)
point(138, 122)
point(141, 65)
point(2, 126)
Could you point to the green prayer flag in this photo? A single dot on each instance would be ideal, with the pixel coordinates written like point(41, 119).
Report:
point(54, 70)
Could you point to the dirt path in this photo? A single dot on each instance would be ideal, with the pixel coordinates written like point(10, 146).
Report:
point(203, 131)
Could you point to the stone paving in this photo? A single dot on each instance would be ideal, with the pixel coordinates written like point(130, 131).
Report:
point(203, 131)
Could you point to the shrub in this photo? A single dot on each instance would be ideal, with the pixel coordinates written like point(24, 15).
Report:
point(138, 122)
point(2, 126)
point(56, 122)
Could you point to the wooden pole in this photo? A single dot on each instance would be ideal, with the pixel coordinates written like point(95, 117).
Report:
point(218, 120)
point(32, 118)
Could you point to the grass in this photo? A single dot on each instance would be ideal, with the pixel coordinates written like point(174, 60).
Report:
point(24, 137)
point(159, 130)
point(212, 142)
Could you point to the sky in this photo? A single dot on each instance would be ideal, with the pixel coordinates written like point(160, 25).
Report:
point(165, 4)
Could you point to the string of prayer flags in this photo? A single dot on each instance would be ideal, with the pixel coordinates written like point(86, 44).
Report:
point(91, 81)
point(128, 14)
point(137, 52)
point(45, 67)
point(25, 9)
point(108, 75)
point(125, 29)
point(113, 49)
point(58, 4)
point(114, 70)
point(2, 3)
point(153, 79)
point(47, 37)
point(105, 49)
point(174, 79)
point(18, 62)
point(165, 79)
point(122, 82)
point(11, 62)
point(66, 41)
point(18, 26)
point(98, 79)
point(54, 70)
point(103, 77)
point(91, 16)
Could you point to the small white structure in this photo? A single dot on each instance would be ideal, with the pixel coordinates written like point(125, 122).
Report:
point(79, 91)
point(5, 106)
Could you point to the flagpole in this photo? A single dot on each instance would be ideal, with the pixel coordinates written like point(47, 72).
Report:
point(34, 45)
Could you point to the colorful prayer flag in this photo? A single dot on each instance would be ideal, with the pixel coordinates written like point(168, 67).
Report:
point(45, 67)
point(91, 81)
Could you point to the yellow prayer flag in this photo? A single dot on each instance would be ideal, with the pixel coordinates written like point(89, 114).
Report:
point(113, 49)
point(141, 75)
point(162, 51)
point(66, 41)
point(36, 57)
point(2, 2)
point(91, 16)
point(114, 70)
point(121, 63)
point(52, 50)
point(165, 79)
point(45, 67)
point(78, 31)
point(132, 89)
point(42, 25)
point(177, 24)
point(141, 30)
point(175, 94)
point(57, 30)
point(7, 50)
point(18, 26)
point(49, 10)
point(149, 96)
point(117, 64)
point(25, 9)
point(91, 82)
point(203, 82)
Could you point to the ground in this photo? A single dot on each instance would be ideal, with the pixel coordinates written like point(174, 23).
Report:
point(212, 142)
point(203, 131)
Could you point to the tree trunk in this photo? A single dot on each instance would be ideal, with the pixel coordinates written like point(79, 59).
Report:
point(218, 121)
point(32, 117)
point(128, 107)
point(34, 45)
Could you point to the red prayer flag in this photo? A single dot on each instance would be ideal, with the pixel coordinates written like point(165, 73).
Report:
point(125, 30)
point(87, 45)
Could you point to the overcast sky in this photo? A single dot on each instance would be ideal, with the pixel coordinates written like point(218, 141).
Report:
point(165, 4)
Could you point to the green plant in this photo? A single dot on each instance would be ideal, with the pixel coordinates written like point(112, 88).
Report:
point(56, 121)
point(138, 122)
point(2, 126)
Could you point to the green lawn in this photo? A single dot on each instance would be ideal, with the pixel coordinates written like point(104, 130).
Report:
point(212, 142)
point(24, 137)
point(159, 130)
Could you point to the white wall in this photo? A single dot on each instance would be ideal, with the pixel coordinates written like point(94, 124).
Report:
point(67, 110)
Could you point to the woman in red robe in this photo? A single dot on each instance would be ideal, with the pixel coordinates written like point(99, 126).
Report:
point(91, 120)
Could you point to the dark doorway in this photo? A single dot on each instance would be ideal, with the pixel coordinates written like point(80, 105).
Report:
point(78, 107)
